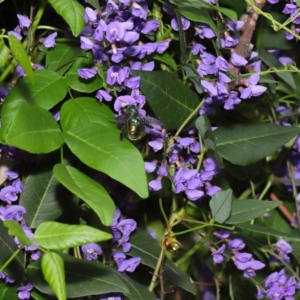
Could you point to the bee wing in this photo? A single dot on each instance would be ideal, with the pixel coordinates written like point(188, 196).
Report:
point(150, 121)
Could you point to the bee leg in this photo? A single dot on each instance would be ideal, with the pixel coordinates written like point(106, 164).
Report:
point(122, 133)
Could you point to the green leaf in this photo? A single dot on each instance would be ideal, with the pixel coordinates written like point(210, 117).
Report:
point(200, 5)
point(8, 291)
point(106, 153)
point(144, 246)
point(33, 129)
point(15, 230)
point(44, 198)
point(47, 90)
point(267, 231)
point(72, 12)
point(199, 15)
point(165, 93)
point(4, 53)
point(167, 59)
point(53, 271)
point(84, 110)
point(220, 205)
point(270, 60)
point(91, 192)
point(94, 3)
point(62, 56)
point(245, 144)
point(203, 125)
point(238, 6)
point(16, 268)
point(136, 291)
point(194, 77)
point(21, 56)
point(246, 210)
point(80, 84)
point(56, 236)
point(83, 278)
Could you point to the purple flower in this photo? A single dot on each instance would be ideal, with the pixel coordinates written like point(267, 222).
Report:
point(123, 101)
point(117, 54)
point(16, 34)
point(130, 37)
point(212, 190)
point(86, 73)
point(15, 213)
point(23, 21)
point(222, 64)
point(236, 244)
point(162, 170)
point(194, 195)
point(133, 82)
point(116, 217)
point(49, 41)
point(222, 234)
point(91, 251)
point(129, 265)
point(18, 185)
point(161, 47)
point(184, 22)
point(126, 247)
point(150, 166)
point(138, 11)
point(9, 194)
point(19, 72)
point(244, 262)
point(112, 296)
point(102, 94)
point(209, 87)
point(24, 291)
point(98, 33)
point(156, 145)
point(185, 142)
point(203, 31)
point(198, 48)
point(86, 43)
point(238, 60)
point(218, 255)
point(90, 15)
point(11, 174)
point(149, 26)
point(283, 248)
point(118, 256)
point(229, 41)
point(115, 31)
point(126, 226)
point(235, 26)
point(155, 185)
point(115, 75)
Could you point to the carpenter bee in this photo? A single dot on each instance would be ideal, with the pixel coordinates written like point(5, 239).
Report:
point(133, 123)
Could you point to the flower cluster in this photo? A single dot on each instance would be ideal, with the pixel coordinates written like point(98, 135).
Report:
point(278, 286)
point(186, 178)
point(14, 212)
point(243, 261)
point(116, 34)
point(227, 88)
point(121, 229)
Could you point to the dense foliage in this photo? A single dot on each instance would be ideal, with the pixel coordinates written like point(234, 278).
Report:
point(149, 149)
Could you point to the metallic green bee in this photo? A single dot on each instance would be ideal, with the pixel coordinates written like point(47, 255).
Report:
point(132, 123)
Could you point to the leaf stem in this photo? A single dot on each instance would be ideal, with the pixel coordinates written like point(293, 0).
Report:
point(10, 259)
point(189, 117)
point(157, 269)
